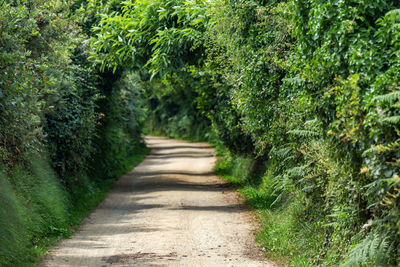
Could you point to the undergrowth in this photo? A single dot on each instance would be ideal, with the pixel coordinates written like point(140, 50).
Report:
point(288, 234)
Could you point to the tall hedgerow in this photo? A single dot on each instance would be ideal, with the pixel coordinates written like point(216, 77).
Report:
point(55, 109)
point(308, 90)
point(314, 83)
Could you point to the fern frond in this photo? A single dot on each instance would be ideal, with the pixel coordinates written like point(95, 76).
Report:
point(283, 152)
point(371, 251)
point(393, 15)
point(392, 119)
point(389, 147)
point(397, 105)
point(285, 160)
point(297, 171)
point(388, 98)
point(304, 133)
point(312, 123)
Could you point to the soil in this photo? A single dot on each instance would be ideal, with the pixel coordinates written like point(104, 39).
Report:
point(171, 210)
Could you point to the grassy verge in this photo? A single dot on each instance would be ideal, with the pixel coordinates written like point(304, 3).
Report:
point(84, 202)
point(33, 207)
point(36, 211)
point(287, 235)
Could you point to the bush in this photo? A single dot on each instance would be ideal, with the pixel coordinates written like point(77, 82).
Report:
point(303, 94)
point(60, 117)
point(313, 98)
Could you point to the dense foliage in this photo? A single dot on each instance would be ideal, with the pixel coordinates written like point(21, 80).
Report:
point(66, 128)
point(307, 90)
point(301, 97)
point(158, 40)
point(315, 84)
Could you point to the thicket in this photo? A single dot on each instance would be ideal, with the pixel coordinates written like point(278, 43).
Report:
point(67, 128)
point(304, 94)
point(302, 98)
point(315, 84)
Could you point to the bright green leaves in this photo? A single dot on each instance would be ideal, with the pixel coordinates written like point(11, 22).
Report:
point(111, 43)
point(277, 67)
point(316, 78)
point(156, 35)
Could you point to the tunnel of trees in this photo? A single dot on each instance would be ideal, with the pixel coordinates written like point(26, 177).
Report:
point(300, 97)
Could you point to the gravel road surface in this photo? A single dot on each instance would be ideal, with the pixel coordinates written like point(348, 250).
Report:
point(171, 210)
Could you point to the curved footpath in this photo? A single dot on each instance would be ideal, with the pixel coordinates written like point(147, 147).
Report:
point(171, 210)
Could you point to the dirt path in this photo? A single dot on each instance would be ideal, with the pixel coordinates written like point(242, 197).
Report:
point(171, 210)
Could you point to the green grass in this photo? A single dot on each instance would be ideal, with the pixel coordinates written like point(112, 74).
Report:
point(36, 212)
point(34, 207)
point(286, 237)
point(286, 233)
